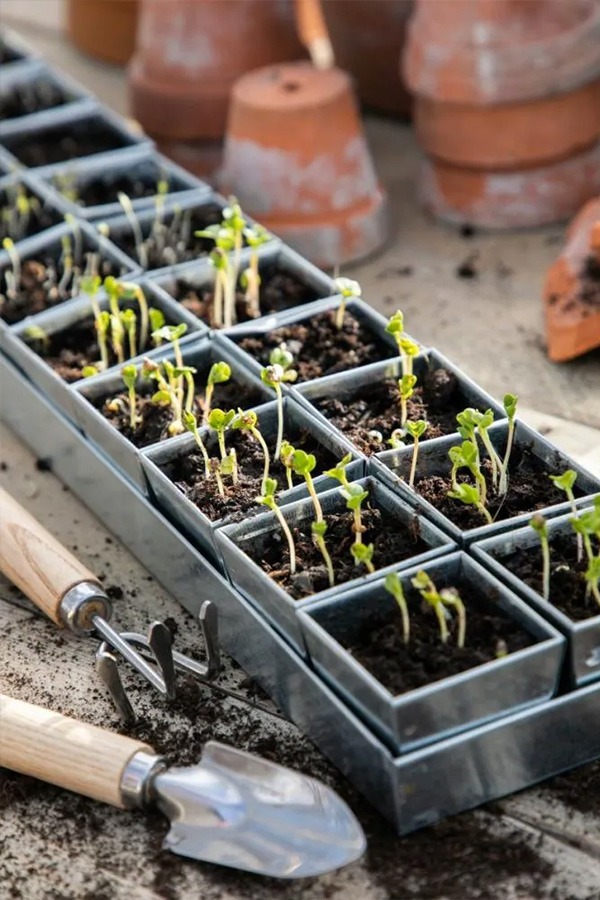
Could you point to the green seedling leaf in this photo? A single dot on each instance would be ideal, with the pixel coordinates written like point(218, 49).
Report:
point(129, 376)
point(510, 405)
point(396, 439)
point(347, 288)
point(565, 481)
point(339, 471)
point(354, 495)
point(408, 347)
point(417, 429)
point(256, 235)
point(89, 371)
point(189, 420)
point(244, 421)
point(220, 372)
point(170, 332)
point(466, 493)
point(281, 356)
point(90, 284)
point(319, 529)
point(363, 553)
point(395, 326)
point(157, 319)
point(538, 523)
point(161, 398)
point(406, 386)
point(303, 463)
point(219, 419)
point(103, 322)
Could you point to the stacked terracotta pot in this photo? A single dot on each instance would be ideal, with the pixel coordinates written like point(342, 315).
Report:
point(104, 29)
point(188, 56)
point(507, 107)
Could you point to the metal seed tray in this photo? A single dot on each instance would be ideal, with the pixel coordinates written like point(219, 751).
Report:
point(413, 790)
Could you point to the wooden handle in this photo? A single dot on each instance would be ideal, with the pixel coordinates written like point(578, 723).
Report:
point(313, 33)
point(55, 748)
point(35, 561)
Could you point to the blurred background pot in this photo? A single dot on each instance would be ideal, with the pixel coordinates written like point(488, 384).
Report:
point(189, 54)
point(507, 86)
point(104, 29)
point(368, 37)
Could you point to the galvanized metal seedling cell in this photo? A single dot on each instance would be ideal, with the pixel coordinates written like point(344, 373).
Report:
point(201, 274)
point(137, 162)
point(54, 321)
point(450, 705)
point(582, 661)
point(344, 385)
point(412, 791)
point(40, 191)
point(360, 310)
point(83, 113)
point(29, 73)
point(393, 468)
point(200, 352)
point(120, 226)
point(173, 502)
point(277, 605)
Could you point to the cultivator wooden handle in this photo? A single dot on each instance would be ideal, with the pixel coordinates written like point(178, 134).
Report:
point(37, 563)
point(64, 751)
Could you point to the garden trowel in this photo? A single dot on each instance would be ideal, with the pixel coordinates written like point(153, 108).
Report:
point(232, 808)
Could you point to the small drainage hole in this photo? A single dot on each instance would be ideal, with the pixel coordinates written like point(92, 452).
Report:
point(290, 87)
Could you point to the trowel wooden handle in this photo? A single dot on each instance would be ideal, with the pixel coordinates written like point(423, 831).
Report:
point(313, 33)
point(35, 561)
point(63, 751)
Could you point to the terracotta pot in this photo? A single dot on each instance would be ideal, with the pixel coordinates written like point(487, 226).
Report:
point(104, 29)
point(297, 160)
point(510, 88)
point(189, 54)
point(518, 199)
point(368, 37)
point(573, 325)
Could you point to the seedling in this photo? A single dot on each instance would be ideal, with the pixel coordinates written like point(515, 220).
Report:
point(129, 322)
point(592, 576)
point(587, 525)
point(538, 523)
point(129, 376)
point(470, 496)
point(396, 439)
point(303, 464)
point(140, 246)
point(247, 421)
point(250, 279)
point(229, 466)
point(187, 374)
point(473, 423)
point(219, 421)
point(439, 601)
point(215, 468)
point(190, 423)
point(228, 236)
point(89, 371)
point(102, 324)
point(510, 408)
point(274, 375)
point(157, 320)
point(363, 555)
point(130, 291)
point(407, 348)
point(355, 495)
point(220, 372)
point(339, 471)
point(406, 387)
point(466, 456)
point(286, 457)
point(13, 278)
point(36, 334)
point(565, 483)
point(393, 586)
point(349, 290)
point(67, 264)
point(416, 430)
point(267, 498)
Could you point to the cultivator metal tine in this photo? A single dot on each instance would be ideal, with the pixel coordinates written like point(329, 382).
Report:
point(155, 658)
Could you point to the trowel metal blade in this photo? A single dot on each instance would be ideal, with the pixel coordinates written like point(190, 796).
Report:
point(238, 810)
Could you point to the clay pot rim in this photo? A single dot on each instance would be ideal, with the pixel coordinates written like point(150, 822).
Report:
point(526, 71)
point(301, 85)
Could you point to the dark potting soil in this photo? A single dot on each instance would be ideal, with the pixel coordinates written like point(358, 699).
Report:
point(106, 187)
point(39, 217)
point(70, 350)
point(529, 489)
point(155, 419)
point(33, 296)
point(62, 142)
point(187, 473)
point(380, 647)
point(394, 542)
point(279, 290)
point(176, 241)
point(319, 348)
point(371, 413)
point(31, 97)
point(567, 584)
